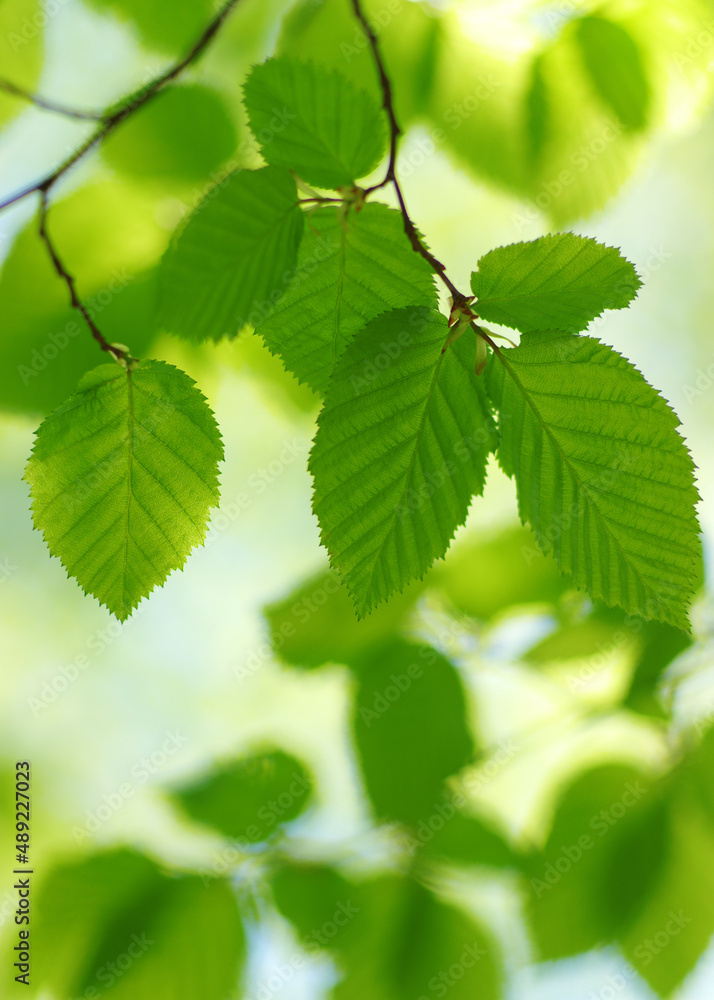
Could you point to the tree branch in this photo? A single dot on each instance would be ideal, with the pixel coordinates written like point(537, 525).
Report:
point(9, 87)
point(117, 352)
point(125, 109)
point(109, 121)
point(391, 175)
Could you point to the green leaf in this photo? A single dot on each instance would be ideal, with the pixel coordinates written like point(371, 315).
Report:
point(233, 258)
point(248, 800)
point(560, 282)
point(401, 449)
point(673, 930)
point(314, 121)
point(347, 273)
point(135, 932)
point(605, 852)
point(601, 472)
point(615, 65)
point(394, 939)
point(122, 478)
point(167, 25)
point(537, 112)
point(467, 840)
point(326, 31)
point(410, 729)
point(316, 624)
point(512, 572)
point(179, 137)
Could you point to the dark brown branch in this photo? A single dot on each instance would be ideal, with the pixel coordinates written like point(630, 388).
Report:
point(77, 303)
point(391, 174)
point(40, 102)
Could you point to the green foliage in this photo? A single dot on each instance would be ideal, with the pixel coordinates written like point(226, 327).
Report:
point(123, 476)
point(160, 29)
point(403, 423)
point(114, 924)
point(557, 282)
point(602, 475)
point(606, 847)
point(409, 709)
point(615, 64)
point(124, 473)
point(395, 939)
point(466, 840)
point(511, 571)
point(317, 623)
point(348, 272)
point(234, 256)
point(179, 137)
point(248, 800)
point(298, 111)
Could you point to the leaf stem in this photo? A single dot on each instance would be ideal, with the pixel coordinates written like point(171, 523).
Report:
point(391, 174)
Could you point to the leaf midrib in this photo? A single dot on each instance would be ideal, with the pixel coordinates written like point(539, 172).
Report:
point(564, 458)
point(126, 607)
point(407, 478)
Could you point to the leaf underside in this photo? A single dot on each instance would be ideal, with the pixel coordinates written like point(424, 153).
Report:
point(122, 478)
point(601, 472)
point(558, 282)
point(314, 121)
point(233, 258)
point(345, 276)
point(401, 449)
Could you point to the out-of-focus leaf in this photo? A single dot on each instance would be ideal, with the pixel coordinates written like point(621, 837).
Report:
point(537, 113)
point(410, 728)
point(393, 939)
point(21, 51)
point(317, 623)
point(592, 636)
point(109, 241)
point(476, 109)
point(615, 65)
point(464, 840)
point(486, 577)
point(170, 26)
point(233, 257)
point(250, 799)
point(607, 846)
point(179, 137)
point(586, 153)
point(674, 928)
point(115, 925)
point(326, 31)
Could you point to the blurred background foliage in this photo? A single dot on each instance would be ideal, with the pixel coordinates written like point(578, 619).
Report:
point(489, 787)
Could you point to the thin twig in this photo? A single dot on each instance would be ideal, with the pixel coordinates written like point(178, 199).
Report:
point(40, 102)
point(391, 174)
point(77, 303)
point(127, 108)
point(109, 122)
